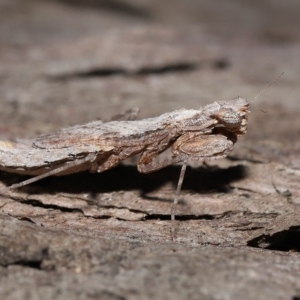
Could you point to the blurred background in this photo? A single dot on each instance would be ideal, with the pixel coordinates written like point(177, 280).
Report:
point(49, 21)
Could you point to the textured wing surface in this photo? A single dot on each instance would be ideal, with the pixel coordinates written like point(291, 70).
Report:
point(79, 136)
point(110, 134)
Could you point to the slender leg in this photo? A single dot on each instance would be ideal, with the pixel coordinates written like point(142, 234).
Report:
point(147, 165)
point(175, 202)
point(60, 169)
point(114, 159)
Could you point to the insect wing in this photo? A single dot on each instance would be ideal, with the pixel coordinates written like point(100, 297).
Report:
point(92, 137)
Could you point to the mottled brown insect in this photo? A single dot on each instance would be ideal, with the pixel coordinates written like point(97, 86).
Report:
point(202, 135)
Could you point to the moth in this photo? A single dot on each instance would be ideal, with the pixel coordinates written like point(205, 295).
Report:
point(205, 134)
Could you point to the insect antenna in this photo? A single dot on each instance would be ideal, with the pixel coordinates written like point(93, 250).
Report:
point(269, 85)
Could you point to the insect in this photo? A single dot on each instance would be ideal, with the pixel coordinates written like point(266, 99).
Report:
point(205, 134)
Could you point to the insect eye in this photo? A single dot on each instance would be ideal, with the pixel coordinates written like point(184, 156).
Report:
point(231, 117)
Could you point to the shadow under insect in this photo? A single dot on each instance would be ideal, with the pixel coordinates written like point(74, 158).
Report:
point(127, 178)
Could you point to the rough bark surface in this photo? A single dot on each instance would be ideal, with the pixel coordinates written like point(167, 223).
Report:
point(107, 236)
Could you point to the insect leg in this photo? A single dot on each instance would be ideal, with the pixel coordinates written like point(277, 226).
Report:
point(146, 165)
point(205, 147)
point(56, 171)
point(115, 158)
point(175, 202)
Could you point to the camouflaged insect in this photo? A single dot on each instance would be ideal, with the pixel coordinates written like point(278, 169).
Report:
point(205, 134)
